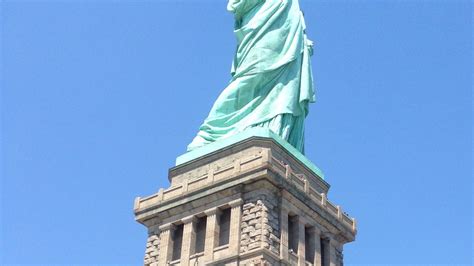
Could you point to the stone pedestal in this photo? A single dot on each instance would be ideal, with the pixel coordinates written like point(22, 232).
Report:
point(259, 201)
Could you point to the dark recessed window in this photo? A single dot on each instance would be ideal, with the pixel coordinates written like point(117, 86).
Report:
point(309, 244)
point(224, 227)
point(200, 234)
point(325, 251)
point(177, 242)
point(293, 233)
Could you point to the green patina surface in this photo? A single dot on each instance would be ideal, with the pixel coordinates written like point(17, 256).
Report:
point(272, 81)
point(242, 136)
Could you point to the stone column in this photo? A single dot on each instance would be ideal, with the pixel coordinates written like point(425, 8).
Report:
point(334, 247)
point(284, 233)
point(189, 239)
point(339, 255)
point(301, 243)
point(166, 242)
point(317, 247)
point(212, 233)
point(235, 220)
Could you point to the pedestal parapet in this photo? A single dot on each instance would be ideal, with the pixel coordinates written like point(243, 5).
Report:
point(251, 201)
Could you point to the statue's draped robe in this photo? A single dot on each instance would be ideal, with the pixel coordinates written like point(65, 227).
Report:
point(272, 81)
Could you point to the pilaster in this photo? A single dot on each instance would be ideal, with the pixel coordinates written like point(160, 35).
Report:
point(334, 250)
point(165, 239)
point(317, 246)
point(235, 220)
point(301, 243)
point(212, 233)
point(189, 239)
point(284, 233)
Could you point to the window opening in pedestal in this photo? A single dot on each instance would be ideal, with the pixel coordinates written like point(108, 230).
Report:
point(224, 227)
point(309, 244)
point(293, 237)
point(324, 251)
point(177, 242)
point(201, 225)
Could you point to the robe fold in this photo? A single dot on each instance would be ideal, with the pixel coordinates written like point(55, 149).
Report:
point(272, 80)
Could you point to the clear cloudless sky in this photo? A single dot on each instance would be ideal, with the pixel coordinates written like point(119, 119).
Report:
point(100, 97)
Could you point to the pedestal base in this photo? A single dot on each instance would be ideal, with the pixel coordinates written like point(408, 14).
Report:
point(252, 201)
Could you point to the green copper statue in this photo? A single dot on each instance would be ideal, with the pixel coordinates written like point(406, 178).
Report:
point(272, 82)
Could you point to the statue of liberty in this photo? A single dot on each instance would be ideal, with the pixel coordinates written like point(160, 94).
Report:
point(272, 82)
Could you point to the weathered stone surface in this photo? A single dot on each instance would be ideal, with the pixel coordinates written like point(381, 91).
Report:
point(251, 180)
point(260, 213)
point(152, 248)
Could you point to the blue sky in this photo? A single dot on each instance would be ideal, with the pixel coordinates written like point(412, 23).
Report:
point(100, 97)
